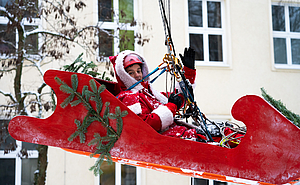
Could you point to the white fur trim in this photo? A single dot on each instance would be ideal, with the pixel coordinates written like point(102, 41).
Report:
point(165, 115)
point(136, 108)
point(123, 75)
point(160, 97)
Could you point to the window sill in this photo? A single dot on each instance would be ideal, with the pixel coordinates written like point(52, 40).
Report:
point(212, 64)
point(286, 67)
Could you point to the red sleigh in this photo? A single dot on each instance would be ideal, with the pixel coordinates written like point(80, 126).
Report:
point(269, 152)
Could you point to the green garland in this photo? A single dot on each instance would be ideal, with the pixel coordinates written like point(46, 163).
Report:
point(294, 118)
point(103, 143)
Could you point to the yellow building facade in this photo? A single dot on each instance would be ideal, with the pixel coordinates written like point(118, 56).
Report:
point(241, 46)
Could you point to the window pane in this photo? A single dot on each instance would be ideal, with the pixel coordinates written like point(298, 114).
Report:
point(214, 14)
point(6, 141)
point(29, 146)
point(128, 175)
point(9, 38)
point(200, 181)
point(29, 166)
point(106, 44)
point(295, 43)
point(108, 176)
point(280, 55)
point(215, 48)
point(7, 171)
point(219, 183)
point(32, 10)
point(126, 11)
point(31, 42)
point(278, 19)
point(126, 40)
point(294, 19)
point(195, 13)
point(3, 2)
point(196, 42)
point(105, 10)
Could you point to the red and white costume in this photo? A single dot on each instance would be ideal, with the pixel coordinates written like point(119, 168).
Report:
point(143, 99)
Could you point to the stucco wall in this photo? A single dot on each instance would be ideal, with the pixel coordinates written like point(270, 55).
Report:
point(249, 54)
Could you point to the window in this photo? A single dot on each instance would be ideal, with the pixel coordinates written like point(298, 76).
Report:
point(13, 169)
point(198, 181)
point(10, 37)
point(119, 174)
point(286, 35)
point(115, 18)
point(206, 31)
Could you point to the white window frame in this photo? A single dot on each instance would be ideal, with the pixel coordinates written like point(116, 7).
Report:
point(18, 164)
point(35, 22)
point(205, 30)
point(115, 24)
point(118, 178)
point(286, 35)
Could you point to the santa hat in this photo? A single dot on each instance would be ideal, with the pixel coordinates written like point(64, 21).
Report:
point(122, 76)
point(125, 80)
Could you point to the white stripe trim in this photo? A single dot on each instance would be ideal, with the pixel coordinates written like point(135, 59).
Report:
point(136, 108)
point(165, 115)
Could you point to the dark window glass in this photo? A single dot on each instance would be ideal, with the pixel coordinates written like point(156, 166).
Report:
point(295, 43)
point(128, 175)
point(198, 181)
point(31, 7)
point(29, 167)
point(126, 11)
point(215, 48)
point(105, 10)
point(29, 146)
point(7, 171)
point(126, 40)
point(196, 42)
point(7, 40)
point(278, 19)
point(108, 176)
point(220, 183)
point(214, 14)
point(3, 4)
point(294, 19)
point(31, 41)
point(106, 44)
point(6, 141)
point(195, 13)
point(280, 54)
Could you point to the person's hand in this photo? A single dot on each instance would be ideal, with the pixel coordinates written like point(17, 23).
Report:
point(176, 99)
point(188, 58)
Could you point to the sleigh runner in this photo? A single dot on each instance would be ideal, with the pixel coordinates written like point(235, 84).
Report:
point(268, 153)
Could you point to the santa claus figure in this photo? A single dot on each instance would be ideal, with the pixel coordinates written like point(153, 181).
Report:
point(153, 107)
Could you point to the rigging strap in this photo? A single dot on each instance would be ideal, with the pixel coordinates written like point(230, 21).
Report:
point(178, 73)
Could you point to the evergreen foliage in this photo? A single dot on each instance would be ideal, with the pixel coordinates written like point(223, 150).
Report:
point(81, 66)
point(294, 118)
point(103, 143)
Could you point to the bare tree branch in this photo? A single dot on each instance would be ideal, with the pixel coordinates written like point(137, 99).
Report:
point(8, 95)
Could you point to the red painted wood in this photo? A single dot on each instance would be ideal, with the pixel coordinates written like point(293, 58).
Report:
point(269, 152)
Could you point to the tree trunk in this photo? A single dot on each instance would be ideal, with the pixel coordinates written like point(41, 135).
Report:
point(40, 177)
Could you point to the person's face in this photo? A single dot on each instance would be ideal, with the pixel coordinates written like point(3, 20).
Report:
point(135, 71)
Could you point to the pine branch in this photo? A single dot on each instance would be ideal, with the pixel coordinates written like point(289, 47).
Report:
point(103, 143)
point(294, 118)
